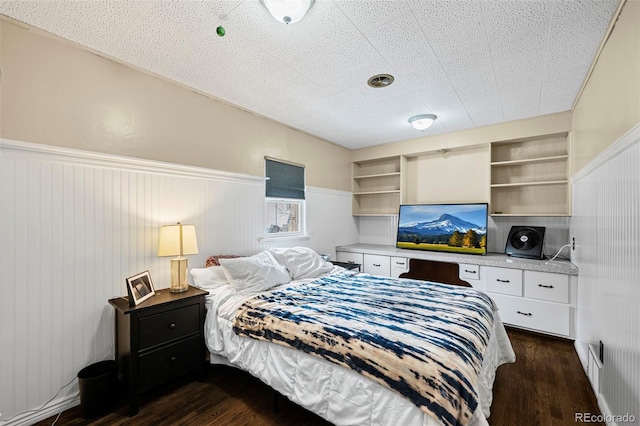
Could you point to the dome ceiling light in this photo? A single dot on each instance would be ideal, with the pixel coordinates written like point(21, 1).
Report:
point(288, 11)
point(422, 121)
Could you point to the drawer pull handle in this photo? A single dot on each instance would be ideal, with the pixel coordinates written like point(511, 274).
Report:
point(527, 314)
point(545, 286)
point(400, 263)
point(502, 281)
point(377, 265)
point(173, 359)
point(471, 272)
point(172, 325)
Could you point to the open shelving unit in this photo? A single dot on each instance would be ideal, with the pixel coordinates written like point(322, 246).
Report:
point(378, 186)
point(530, 177)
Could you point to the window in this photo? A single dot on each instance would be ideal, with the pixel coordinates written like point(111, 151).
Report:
point(285, 191)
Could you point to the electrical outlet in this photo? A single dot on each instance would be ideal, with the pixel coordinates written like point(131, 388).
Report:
point(573, 243)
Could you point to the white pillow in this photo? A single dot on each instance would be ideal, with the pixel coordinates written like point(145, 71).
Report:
point(208, 278)
point(256, 273)
point(302, 262)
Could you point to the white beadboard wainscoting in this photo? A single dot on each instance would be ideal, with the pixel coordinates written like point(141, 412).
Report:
point(606, 226)
point(383, 229)
point(75, 224)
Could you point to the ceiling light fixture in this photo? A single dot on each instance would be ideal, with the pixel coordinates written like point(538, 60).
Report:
point(422, 121)
point(288, 11)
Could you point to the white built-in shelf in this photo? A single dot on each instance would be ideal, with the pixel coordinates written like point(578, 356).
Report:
point(377, 186)
point(376, 192)
point(530, 177)
point(544, 182)
point(378, 175)
point(530, 161)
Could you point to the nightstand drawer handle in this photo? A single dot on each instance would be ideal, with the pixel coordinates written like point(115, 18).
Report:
point(528, 314)
point(545, 286)
point(377, 265)
point(172, 325)
point(502, 281)
point(471, 272)
point(173, 359)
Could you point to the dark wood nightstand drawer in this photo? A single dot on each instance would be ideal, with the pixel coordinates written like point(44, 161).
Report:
point(167, 326)
point(170, 362)
point(159, 340)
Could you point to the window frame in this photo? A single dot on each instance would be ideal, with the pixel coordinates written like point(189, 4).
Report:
point(301, 202)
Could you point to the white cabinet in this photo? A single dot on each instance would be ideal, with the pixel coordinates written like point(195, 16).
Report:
point(387, 266)
point(503, 281)
point(348, 257)
point(545, 286)
point(469, 272)
point(533, 314)
point(377, 265)
point(399, 265)
point(535, 300)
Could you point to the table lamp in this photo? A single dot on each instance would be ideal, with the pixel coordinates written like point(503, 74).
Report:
point(178, 240)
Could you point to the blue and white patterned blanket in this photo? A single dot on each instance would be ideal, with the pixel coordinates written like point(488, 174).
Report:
point(424, 340)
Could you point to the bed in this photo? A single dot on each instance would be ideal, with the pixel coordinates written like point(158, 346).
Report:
point(276, 315)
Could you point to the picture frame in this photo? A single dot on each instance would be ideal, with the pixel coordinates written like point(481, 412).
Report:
point(140, 288)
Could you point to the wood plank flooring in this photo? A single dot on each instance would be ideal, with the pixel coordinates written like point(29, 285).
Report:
point(545, 386)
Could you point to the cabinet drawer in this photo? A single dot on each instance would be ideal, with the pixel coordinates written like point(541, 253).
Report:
point(534, 314)
point(546, 286)
point(344, 256)
point(170, 362)
point(469, 272)
point(399, 265)
point(504, 281)
point(377, 265)
point(167, 326)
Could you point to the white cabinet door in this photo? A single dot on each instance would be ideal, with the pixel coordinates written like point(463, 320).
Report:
point(399, 265)
point(546, 286)
point(377, 265)
point(538, 315)
point(348, 257)
point(503, 280)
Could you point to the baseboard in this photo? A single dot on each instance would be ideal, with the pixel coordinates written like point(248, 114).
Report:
point(52, 409)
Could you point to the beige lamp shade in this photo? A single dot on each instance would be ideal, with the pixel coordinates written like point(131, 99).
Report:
point(178, 240)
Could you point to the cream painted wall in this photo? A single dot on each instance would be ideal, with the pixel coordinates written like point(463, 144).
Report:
point(610, 102)
point(536, 126)
point(56, 93)
point(458, 176)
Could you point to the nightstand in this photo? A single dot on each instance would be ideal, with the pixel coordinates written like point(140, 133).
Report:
point(347, 265)
point(159, 340)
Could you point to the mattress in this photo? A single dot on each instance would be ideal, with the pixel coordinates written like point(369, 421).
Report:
point(335, 393)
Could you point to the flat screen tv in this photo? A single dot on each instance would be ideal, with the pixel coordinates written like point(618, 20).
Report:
point(457, 228)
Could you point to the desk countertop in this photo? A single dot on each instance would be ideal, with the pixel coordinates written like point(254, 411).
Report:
point(499, 260)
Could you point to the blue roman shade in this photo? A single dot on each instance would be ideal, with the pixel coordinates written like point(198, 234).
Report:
point(286, 180)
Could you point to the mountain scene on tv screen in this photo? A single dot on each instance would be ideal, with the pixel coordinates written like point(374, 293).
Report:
point(445, 233)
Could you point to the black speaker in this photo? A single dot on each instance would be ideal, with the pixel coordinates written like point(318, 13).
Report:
point(525, 241)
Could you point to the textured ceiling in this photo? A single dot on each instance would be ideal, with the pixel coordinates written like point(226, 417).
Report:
point(470, 62)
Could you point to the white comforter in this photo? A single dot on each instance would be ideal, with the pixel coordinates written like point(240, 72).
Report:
point(341, 396)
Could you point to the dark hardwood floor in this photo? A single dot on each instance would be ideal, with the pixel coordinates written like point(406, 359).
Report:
point(545, 386)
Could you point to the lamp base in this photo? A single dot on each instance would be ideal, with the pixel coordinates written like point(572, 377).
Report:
point(179, 282)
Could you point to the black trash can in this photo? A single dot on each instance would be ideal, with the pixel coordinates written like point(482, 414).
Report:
point(97, 384)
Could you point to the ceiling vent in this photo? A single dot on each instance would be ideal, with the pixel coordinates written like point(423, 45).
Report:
point(380, 80)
